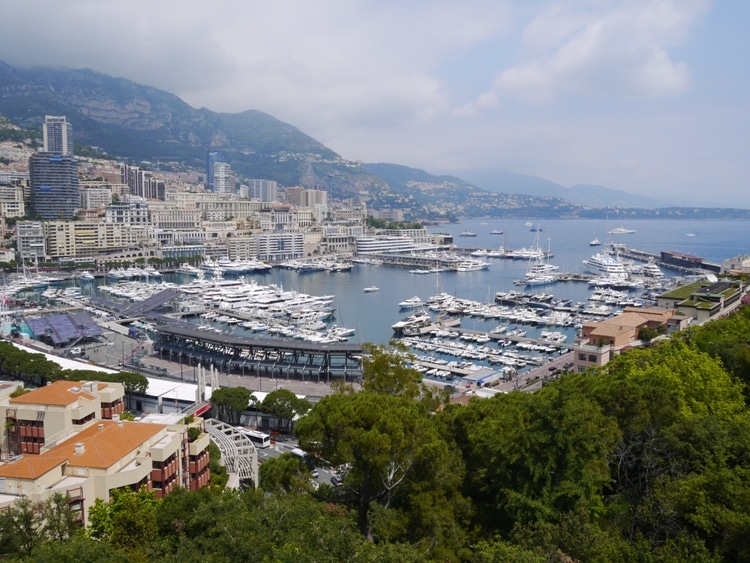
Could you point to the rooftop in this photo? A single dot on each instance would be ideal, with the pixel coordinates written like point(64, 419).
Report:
point(105, 443)
point(59, 393)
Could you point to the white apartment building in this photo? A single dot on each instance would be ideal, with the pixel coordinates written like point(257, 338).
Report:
point(340, 238)
point(263, 190)
point(304, 217)
point(94, 197)
point(71, 239)
point(127, 214)
point(60, 237)
point(242, 248)
point(164, 217)
point(164, 238)
point(11, 201)
point(237, 209)
point(280, 246)
point(223, 182)
point(30, 239)
point(278, 219)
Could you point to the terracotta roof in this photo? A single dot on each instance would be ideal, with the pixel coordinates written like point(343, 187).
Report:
point(30, 466)
point(103, 447)
point(631, 320)
point(58, 393)
point(610, 330)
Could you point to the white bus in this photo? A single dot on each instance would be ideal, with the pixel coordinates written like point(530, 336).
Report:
point(260, 439)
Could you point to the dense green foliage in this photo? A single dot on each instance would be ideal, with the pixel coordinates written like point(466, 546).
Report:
point(284, 405)
point(227, 403)
point(646, 459)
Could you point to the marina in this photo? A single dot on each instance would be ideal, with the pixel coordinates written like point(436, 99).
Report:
point(451, 320)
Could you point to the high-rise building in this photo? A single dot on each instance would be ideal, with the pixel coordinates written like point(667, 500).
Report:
point(142, 182)
point(54, 185)
point(57, 135)
point(222, 178)
point(211, 159)
point(263, 190)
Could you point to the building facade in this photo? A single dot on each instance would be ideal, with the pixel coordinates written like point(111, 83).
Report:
point(57, 135)
point(212, 157)
point(67, 437)
point(280, 246)
point(222, 178)
point(263, 190)
point(30, 240)
point(54, 185)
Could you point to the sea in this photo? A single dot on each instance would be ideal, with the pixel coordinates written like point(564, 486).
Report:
point(371, 314)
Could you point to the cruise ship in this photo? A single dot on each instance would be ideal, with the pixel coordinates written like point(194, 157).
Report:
point(606, 265)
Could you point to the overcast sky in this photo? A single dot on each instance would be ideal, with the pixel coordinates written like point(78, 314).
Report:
point(647, 96)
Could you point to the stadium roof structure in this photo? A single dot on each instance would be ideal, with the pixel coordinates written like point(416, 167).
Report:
point(152, 303)
point(63, 329)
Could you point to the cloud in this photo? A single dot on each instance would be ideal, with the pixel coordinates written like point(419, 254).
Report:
point(439, 84)
point(603, 48)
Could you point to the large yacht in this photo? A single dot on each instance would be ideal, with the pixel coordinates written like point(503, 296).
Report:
point(621, 231)
point(606, 265)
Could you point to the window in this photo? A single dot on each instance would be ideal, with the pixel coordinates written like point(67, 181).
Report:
point(582, 357)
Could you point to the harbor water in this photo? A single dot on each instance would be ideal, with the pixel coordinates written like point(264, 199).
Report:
point(371, 314)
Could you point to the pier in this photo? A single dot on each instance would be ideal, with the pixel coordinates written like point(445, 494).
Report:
point(643, 256)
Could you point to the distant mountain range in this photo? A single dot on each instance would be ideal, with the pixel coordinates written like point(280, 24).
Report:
point(505, 181)
point(141, 123)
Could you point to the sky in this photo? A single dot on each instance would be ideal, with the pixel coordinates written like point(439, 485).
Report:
point(646, 96)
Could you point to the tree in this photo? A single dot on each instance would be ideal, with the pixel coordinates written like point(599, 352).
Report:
point(230, 402)
point(127, 521)
point(78, 549)
point(21, 527)
point(284, 405)
point(285, 473)
point(386, 371)
point(379, 437)
point(58, 519)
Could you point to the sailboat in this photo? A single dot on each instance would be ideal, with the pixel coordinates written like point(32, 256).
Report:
point(540, 271)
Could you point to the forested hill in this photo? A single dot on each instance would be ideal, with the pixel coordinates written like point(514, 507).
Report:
point(646, 459)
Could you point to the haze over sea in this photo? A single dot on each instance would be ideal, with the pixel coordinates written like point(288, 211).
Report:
point(372, 314)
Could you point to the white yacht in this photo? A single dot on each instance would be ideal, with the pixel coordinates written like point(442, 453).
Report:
point(472, 266)
point(86, 276)
point(606, 265)
point(371, 289)
point(411, 303)
point(651, 270)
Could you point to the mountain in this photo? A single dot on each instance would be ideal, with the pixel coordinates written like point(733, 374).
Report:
point(420, 186)
point(138, 122)
point(505, 181)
